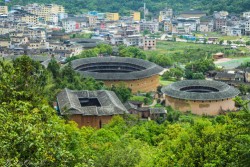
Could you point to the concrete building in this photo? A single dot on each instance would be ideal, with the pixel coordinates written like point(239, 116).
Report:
point(149, 44)
point(201, 97)
point(247, 27)
point(133, 40)
point(112, 16)
point(247, 74)
point(246, 15)
point(136, 16)
point(150, 26)
point(192, 13)
point(3, 9)
point(137, 74)
point(90, 108)
point(33, 19)
point(220, 20)
point(73, 24)
point(166, 14)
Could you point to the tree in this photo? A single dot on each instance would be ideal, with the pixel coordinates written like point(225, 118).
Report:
point(205, 41)
point(161, 60)
point(176, 73)
point(122, 92)
point(244, 89)
point(198, 76)
point(54, 68)
point(31, 132)
point(130, 51)
point(221, 42)
point(200, 66)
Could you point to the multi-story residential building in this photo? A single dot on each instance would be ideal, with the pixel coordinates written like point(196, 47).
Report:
point(133, 40)
point(4, 30)
point(235, 31)
point(167, 26)
point(246, 14)
point(73, 24)
point(116, 40)
point(183, 22)
point(3, 9)
point(112, 16)
point(150, 26)
point(165, 14)
point(33, 19)
point(247, 27)
point(36, 33)
point(92, 20)
point(149, 43)
point(206, 24)
point(136, 16)
point(219, 21)
point(48, 13)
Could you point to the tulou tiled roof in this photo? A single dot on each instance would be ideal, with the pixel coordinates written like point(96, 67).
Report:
point(109, 104)
point(122, 68)
point(219, 90)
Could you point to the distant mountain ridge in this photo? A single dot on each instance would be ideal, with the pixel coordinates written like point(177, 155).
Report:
point(154, 6)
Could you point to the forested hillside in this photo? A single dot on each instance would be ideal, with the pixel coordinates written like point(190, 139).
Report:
point(75, 6)
point(32, 134)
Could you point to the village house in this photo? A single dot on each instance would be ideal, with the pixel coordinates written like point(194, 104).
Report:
point(149, 43)
point(220, 20)
point(192, 13)
point(247, 74)
point(145, 112)
point(149, 26)
point(75, 24)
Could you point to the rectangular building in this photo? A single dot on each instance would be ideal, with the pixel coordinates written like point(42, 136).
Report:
point(4, 9)
point(112, 16)
point(136, 16)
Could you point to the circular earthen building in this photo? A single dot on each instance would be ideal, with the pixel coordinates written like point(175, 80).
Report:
point(137, 74)
point(200, 96)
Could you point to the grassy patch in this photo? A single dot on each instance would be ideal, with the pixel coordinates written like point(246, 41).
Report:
point(166, 82)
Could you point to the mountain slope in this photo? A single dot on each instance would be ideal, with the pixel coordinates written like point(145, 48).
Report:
point(124, 6)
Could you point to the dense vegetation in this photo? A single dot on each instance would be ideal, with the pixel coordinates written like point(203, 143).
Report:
point(77, 6)
point(32, 134)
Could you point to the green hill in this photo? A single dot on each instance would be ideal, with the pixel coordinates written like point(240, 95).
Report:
point(77, 6)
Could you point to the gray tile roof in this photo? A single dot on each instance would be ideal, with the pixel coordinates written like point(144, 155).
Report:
point(69, 103)
point(158, 110)
point(135, 68)
point(247, 69)
point(222, 90)
point(225, 75)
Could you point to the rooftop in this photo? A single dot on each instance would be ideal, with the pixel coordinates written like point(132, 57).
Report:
point(84, 102)
point(116, 68)
point(200, 90)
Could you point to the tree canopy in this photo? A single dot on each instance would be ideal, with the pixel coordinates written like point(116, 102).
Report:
point(32, 134)
point(124, 7)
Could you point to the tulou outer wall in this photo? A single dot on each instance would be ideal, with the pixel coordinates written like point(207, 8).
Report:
point(200, 107)
point(92, 121)
point(140, 85)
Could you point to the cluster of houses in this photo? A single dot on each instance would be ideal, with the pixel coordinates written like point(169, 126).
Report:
point(37, 29)
point(194, 20)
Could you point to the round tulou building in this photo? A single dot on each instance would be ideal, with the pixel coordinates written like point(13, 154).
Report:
point(137, 74)
point(200, 96)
